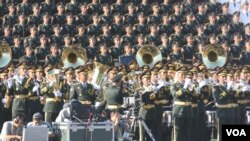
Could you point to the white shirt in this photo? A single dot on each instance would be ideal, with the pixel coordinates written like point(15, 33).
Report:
point(233, 6)
point(245, 17)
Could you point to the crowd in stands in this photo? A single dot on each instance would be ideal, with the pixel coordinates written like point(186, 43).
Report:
point(38, 31)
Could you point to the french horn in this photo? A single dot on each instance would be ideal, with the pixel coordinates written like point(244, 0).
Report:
point(214, 56)
point(148, 55)
point(74, 56)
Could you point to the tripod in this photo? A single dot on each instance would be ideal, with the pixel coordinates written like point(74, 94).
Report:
point(142, 125)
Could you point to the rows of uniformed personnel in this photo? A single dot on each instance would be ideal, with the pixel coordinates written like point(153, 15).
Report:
point(163, 85)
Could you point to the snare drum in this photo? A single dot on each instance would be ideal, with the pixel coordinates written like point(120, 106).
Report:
point(211, 118)
point(248, 117)
point(167, 118)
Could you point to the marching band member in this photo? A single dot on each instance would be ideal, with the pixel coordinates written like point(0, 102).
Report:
point(147, 111)
point(52, 94)
point(162, 98)
point(21, 92)
point(225, 108)
point(67, 83)
point(82, 90)
point(182, 107)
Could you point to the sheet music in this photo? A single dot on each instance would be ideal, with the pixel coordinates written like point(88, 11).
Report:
point(36, 133)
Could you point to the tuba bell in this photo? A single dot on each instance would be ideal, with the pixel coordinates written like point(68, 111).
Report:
point(74, 56)
point(5, 54)
point(148, 55)
point(214, 56)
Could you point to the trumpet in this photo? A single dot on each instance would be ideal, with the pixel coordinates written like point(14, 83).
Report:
point(8, 99)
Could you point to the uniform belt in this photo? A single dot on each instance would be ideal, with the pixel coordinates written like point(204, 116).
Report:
point(65, 100)
point(33, 97)
point(236, 58)
point(181, 103)
point(243, 101)
point(148, 106)
point(194, 105)
point(85, 102)
point(52, 100)
point(230, 105)
point(114, 106)
point(41, 61)
point(161, 101)
point(22, 96)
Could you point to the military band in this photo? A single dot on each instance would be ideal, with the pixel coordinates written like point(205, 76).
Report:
point(188, 93)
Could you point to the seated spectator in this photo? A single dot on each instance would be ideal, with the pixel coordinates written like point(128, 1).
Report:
point(12, 130)
point(37, 121)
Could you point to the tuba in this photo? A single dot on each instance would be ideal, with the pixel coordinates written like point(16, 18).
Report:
point(148, 55)
point(214, 56)
point(98, 73)
point(5, 58)
point(5, 54)
point(74, 56)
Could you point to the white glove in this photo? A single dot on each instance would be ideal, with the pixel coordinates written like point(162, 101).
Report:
point(57, 93)
point(3, 100)
point(187, 83)
point(246, 88)
point(229, 85)
point(9, 82)
point(35, 88)
point(202, 83)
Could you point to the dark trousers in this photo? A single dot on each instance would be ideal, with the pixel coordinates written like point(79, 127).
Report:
point(158, 122)
point(182, 129)
point(222, 121)
point(143, 133)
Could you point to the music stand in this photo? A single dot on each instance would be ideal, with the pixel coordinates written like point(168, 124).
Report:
point(36, 133)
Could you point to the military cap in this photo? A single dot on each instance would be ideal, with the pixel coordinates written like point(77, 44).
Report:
point(46, 15)
point(69, 70)
point(244, 70)
point(17, 37)
point(69, 15)
point(83, 5)
point(146, 74)
point(112, 70)
point(154, 71)
point(11, 5)
point(231, 73)
point(32, 69)
point(54, 45)
point(77, 69)
point(32, 27)
point(182, 69)
point(145, 67)
point(189, 75)
point(247, 25)
point(59, 4)
point(176, 4)
point(56, 26)
point(22, 65)
point(163, 69)
point(42, 36)
point(171, 69)
point(3, 72)
point(222, 72)
point(35, 5)
point(83, 70)
point(225, 4)
point(194, 70)
point(133, 65)
point(236, 13)
point(39, 69)
point(158, 64)
point(117, 78)
point(237, 73)
point(67, 36)
point(11, 67)
point(130, 4)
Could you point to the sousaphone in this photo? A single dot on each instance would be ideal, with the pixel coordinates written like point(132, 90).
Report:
point(148, 55)
point(214, 56)
point(74, 56)
point(5, 54)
